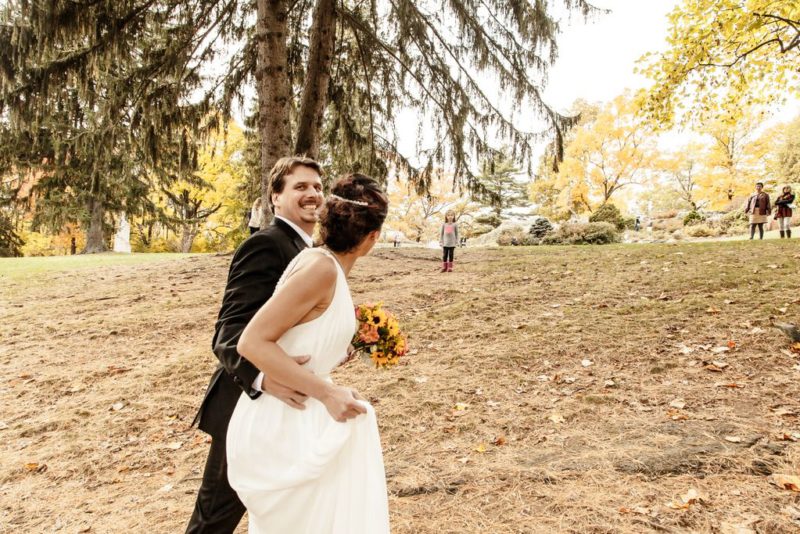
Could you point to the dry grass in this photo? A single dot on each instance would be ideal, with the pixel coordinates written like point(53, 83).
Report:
point(102, 370)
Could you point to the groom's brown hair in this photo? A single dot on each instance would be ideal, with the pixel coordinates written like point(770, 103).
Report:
point(284, 167)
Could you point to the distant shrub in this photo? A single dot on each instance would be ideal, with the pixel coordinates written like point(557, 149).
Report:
point(593, 233)
point(490, 220)
point(734, 222)
point(608, 213)
point(515, 236)
point(701, 230)
point(671, 214)
point(36, 244)
point(540, 228)
point(629, 223)
point(692, 218)
point(668, 225)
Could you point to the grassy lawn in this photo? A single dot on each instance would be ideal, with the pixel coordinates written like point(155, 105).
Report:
point(18, 268)
point(548, 389)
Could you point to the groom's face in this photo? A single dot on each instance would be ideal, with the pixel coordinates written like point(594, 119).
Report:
point(301, 197)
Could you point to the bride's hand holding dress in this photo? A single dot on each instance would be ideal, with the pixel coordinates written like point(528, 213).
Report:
point(305, 295)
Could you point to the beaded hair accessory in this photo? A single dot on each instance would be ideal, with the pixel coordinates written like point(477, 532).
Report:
point(349, 201)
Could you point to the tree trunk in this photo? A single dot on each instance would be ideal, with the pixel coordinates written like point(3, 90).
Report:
point(188, 233)
point(94, 235)
point(272, 84)
point(318, 75)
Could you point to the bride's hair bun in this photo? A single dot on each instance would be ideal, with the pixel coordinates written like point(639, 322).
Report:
point(355, 207)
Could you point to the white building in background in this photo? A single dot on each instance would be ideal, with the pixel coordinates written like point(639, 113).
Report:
point(122, 239)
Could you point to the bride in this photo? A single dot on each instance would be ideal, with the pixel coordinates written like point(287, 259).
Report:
point(317, 470)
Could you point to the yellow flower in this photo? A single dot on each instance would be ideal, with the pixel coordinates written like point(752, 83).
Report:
point(379, 317)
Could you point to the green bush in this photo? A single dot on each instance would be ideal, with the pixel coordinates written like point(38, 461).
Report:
point(692, 218)
point(540, 228)
point(593, 233)
point(608, 213)
point(734, 222)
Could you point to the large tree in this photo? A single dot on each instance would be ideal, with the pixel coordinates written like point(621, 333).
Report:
point(82, 105)
point(502, 182)
point(606, 155)
point(330, 76)
point(721, 53)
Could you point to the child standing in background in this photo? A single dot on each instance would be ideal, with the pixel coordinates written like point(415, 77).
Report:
point(448, 239)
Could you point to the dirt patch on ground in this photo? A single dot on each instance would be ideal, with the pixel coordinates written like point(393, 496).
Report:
point(549, 390)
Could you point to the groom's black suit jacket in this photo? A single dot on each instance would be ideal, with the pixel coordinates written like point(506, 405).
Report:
point(257, 265)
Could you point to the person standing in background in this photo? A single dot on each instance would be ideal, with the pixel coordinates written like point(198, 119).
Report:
point(256, 217)
point(784, 213)
point(758, 207)
point(448, 239)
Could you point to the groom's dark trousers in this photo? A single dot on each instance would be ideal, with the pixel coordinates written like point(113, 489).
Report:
point(255, 269)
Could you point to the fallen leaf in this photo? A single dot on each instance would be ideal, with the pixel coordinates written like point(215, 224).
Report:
point(783, 310)
point(788, 482)
point(420, 379)
point(460, 406)
point(481, 448)
point(677, 415)
point(609, 383)
point(678, 403)
point(691, 497)
point(166, 488)
point(715, 366)
point(117, 406)
point(720, 350)
point(683, 349)
point(586, 363)
point(175, 445)
point(731, 344)
point(772, 266)
point(35, 467)
point(713, 311)
point(795, 347)
point(463, 460)
point(556, 418)
point(499, 441)
point(733, 439)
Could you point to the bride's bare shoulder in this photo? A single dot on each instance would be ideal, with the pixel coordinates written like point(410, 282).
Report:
point(316, 267)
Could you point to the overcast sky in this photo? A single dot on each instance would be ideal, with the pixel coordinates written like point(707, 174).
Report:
point(596, 58)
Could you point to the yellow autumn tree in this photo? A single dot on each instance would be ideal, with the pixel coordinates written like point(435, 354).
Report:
point(722, 53)
point(205, 210)
point(733, 159)
point(418, 217)
point(608, 154)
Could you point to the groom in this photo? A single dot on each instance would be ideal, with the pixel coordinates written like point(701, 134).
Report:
point(295, 194)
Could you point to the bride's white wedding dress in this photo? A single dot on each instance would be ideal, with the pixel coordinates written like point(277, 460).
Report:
point(299, 471)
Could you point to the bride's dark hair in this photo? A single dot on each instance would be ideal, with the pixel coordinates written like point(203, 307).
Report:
point(355, 207)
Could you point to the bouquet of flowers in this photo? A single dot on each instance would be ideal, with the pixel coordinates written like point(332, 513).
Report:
point(379, 337)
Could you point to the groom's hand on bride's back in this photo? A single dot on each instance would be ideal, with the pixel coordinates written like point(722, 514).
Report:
point(293, 398)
